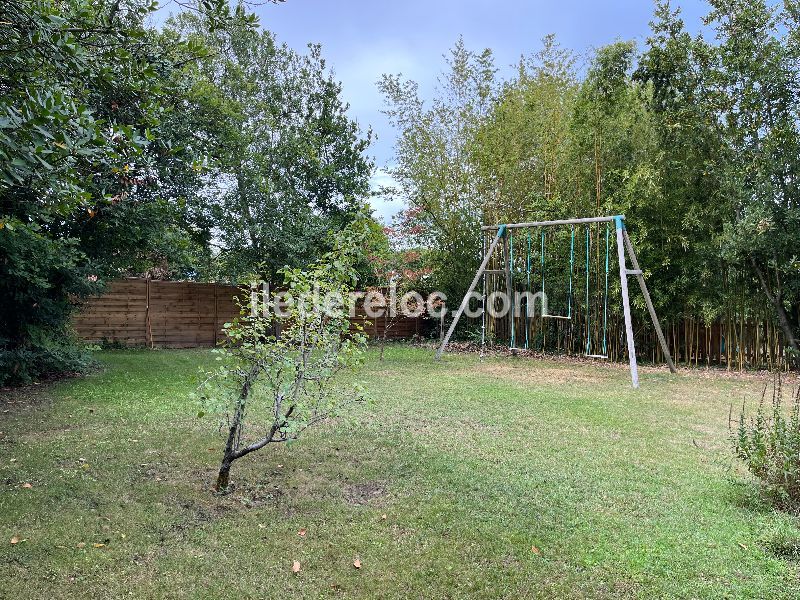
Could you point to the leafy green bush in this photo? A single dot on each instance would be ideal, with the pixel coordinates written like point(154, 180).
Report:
point(769, 444)
point(40, 280)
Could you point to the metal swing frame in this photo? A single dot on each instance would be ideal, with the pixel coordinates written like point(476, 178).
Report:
point(624, 245)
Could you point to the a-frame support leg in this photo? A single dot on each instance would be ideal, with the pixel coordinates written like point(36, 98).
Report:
point(626, 304)
point(501, 233)
point(648, 301)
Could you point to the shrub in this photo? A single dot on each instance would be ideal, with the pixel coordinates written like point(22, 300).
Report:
point(769, 443)
point(40, 281)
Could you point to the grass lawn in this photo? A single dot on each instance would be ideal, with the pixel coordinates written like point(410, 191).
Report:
point(623, 493)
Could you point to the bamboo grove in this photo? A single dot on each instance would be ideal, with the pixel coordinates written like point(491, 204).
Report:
point(694, 138)
point(740, 337)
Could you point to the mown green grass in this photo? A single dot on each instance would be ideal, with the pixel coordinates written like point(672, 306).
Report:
point(625, 494)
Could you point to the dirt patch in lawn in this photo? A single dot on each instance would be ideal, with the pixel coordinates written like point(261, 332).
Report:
point(359, 494)
point(18, 400)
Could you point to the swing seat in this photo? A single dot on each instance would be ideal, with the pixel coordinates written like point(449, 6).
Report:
point(601, 356)
point(562, 318)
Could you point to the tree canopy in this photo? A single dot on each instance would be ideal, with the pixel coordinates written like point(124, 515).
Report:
point(203, 149)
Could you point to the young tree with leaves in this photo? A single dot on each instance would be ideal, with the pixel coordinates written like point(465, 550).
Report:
point(270, 388)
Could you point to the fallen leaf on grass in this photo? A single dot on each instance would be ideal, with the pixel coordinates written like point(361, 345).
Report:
point(296, 566)
point(98, 545)
point(536, 551)
point(357, 563)
point(742, 546)
point(262, 526)
point(302, 532)
point(14, 540)
point(383, 517)
point(81, 544)
point(27, 486)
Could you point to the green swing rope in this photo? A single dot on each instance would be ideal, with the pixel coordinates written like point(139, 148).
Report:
point(527, 288)
point(588, 320)
point(605, 296)
point(511, 270)
point(571, 270)
point(542, 263)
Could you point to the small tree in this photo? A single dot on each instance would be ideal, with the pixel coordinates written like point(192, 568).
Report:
point(270, 388)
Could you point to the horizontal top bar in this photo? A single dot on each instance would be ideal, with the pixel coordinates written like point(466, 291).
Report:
point(549, 223)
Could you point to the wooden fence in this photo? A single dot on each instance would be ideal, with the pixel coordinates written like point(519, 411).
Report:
point(177, 314)
point(736, 342)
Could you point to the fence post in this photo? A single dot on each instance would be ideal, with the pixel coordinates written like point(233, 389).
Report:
point(148, 334)
point(216, 315)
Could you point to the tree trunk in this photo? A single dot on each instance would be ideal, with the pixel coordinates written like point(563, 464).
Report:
point(784, 320)
point(233, 433)
point(224, 476)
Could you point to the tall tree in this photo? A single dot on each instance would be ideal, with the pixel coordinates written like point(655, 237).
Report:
point(81, 91)
point(435, 164)
point(755, 89)
point(682, 224)
point(286, 162)
point(522, 147)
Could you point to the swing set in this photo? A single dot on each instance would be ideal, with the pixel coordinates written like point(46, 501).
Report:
point(593, 348)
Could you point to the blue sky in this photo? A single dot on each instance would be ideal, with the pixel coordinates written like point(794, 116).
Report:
point(362, 39)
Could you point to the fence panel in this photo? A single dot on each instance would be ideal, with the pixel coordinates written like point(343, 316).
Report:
point(183, 314)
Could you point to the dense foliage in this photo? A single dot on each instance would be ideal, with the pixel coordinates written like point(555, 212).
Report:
point(694, 140)
point(206, 149)
point(79, 89)
point(286, 163)
point(196, 151)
